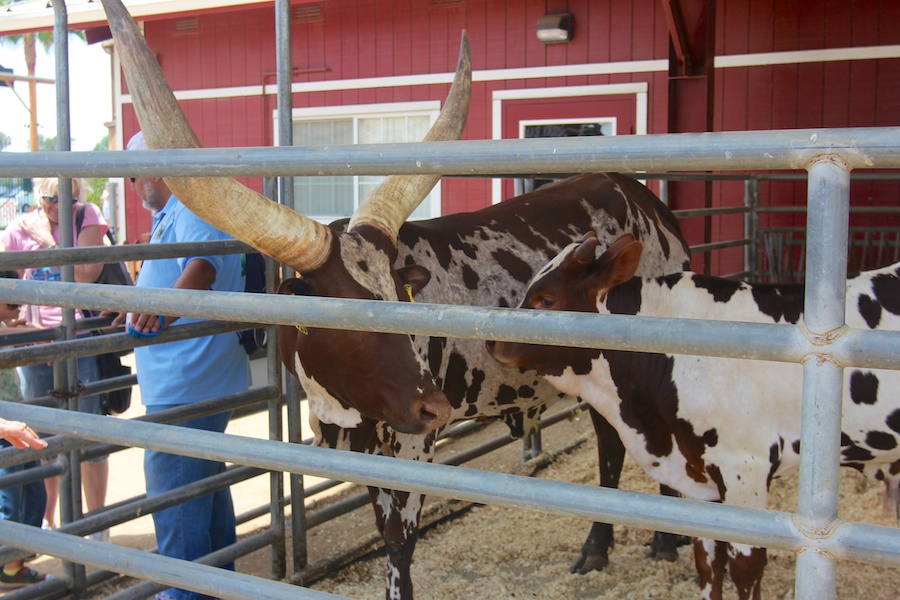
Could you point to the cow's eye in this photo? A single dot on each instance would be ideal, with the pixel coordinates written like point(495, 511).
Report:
point(546, 302)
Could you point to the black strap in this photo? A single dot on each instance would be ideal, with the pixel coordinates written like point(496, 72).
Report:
point(79, 220)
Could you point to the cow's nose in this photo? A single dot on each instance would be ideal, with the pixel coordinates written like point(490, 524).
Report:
point(434, 410)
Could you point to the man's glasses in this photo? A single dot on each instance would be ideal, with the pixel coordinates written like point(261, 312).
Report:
point(50, 199)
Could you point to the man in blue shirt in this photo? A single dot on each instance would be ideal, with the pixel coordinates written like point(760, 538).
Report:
point(183, 372)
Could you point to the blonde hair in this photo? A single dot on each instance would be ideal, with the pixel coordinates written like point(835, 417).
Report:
point(49, 186)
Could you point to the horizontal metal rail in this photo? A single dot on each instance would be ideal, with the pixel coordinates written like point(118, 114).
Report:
point(59, 257)
point(136, 563)
point(114, 342)
point(794, 149)
point(867, 543)
point(59, 445)
point(785, 343)
point(111, 516)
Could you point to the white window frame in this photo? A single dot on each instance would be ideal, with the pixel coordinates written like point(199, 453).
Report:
point(430, 108)
point(612, 121)
point(637, 89)
point(521, 184)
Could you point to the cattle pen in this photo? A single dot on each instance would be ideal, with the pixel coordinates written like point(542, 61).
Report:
point(823, 346)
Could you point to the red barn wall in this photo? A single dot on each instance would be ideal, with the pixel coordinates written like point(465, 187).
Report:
point(358, 39)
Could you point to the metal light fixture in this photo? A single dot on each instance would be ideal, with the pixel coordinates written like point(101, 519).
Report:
point(555, 29)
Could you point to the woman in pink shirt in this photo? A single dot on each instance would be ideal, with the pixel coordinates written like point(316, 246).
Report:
point(38, 230)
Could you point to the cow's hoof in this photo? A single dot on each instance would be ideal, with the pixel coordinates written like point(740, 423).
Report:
point(669, 555)
point(665, 546)
point(587, 563)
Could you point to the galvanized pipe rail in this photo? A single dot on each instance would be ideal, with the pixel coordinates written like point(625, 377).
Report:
point(793, 149)
point(856, 348)
point(59, 445)
point(869, 543)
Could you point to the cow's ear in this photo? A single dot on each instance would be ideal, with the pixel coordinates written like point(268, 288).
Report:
point(415, 276)
point(296, 286)
point(625, 261)
point(617, 265)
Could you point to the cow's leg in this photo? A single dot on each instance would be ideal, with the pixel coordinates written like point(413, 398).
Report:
point(397, 517)
point(664, 546)
point(710, 557)
point(746, 564)
point(610, 455)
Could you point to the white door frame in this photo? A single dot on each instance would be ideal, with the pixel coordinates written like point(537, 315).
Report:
point(498, 97)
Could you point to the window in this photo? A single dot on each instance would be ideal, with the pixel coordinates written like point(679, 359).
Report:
point(327, 198)
point(560, 128)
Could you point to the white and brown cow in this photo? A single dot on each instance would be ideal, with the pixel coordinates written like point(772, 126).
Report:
point(389, 393)
point(678, 415)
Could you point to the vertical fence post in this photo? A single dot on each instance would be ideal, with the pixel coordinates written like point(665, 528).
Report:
point(826, 284)
point(286, 194)
point(751, 227)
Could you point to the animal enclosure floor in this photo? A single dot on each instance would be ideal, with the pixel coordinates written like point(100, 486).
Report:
point(496, 553)
point(510, 554)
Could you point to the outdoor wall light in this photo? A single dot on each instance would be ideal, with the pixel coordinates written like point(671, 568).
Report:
point(554, 29)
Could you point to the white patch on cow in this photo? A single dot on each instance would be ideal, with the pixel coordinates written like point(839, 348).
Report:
point(739, 550)
point(326, 407)
point(410, 446)
point(393, 582)
point(377, 274)
point(599, 390)
point(709, 546)
point(384, 502)
point(409, 516)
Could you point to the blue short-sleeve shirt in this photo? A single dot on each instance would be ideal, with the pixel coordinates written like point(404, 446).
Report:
point(201, 368)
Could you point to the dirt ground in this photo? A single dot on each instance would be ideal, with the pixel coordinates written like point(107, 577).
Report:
point(475, 551)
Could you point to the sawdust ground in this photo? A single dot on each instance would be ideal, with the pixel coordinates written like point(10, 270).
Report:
point(502, 553)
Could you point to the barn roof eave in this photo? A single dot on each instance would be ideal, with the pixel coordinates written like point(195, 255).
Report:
point(37, 15)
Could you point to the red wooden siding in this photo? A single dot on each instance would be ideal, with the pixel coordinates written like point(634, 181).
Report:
point(354, 39)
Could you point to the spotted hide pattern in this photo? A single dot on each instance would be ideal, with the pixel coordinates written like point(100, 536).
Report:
point(487, 258)
point(715, 429)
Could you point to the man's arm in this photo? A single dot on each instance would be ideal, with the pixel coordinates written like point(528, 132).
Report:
point(199, 274)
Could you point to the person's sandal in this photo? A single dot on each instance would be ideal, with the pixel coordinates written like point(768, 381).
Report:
point(21, 578)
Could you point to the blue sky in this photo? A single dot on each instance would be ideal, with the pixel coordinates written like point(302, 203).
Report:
point(89, 95)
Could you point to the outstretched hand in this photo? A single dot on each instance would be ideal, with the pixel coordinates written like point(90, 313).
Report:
point(20, 435)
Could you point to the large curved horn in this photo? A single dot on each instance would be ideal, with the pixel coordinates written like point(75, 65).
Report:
point(388, 207)
point(291, 238)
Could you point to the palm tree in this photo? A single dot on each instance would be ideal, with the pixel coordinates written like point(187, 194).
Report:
point(29, 41)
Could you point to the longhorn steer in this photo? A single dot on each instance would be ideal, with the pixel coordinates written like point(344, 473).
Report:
point(390, 393)
point(685, 418)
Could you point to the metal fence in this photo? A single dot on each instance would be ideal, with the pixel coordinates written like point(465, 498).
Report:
point(822, 345)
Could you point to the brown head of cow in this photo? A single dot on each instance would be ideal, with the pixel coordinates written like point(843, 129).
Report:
point(356, 374)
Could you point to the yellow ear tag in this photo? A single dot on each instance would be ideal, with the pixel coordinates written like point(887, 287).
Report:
point(408, 289)
point(301, 328)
